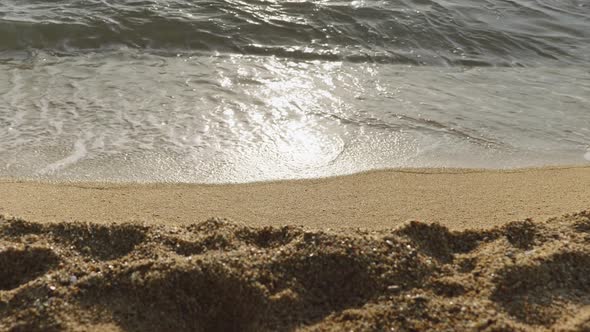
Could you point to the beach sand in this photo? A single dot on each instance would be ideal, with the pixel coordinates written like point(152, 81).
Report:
point(385, 251)
point(456, 198)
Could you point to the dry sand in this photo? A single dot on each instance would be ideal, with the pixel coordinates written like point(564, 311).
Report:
point(145, 257)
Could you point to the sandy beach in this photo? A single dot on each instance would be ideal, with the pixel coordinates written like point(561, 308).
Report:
point(456, 198)
point(391, 250)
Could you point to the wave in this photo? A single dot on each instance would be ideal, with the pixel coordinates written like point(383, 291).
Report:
point(475, 32)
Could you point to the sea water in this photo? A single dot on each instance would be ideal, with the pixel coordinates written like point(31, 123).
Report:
point(234, 91)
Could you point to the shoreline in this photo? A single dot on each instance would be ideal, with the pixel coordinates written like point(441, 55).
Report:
point(380, 199)
point(410, 170)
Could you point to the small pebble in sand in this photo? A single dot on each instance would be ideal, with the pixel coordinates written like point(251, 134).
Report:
point(393, 288)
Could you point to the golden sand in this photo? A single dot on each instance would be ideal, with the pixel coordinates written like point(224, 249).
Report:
point(456, 198)
point(130, 257)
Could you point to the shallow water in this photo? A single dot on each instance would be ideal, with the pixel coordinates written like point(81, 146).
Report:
point(232, 91)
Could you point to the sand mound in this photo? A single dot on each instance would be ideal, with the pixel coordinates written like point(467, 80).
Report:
point(218, 275)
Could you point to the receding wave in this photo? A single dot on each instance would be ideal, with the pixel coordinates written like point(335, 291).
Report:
point(132, 115)
point(475, 32)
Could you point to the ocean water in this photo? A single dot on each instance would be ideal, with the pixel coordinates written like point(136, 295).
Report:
point(234, 91)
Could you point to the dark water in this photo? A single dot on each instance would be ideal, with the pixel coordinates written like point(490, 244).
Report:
point(216, 91)
point(467, 32)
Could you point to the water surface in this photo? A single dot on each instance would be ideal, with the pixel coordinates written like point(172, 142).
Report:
point(226, 91)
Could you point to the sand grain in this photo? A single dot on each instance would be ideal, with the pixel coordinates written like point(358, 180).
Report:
point(219, 275)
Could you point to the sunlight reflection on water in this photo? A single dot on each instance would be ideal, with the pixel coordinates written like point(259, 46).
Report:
point(141, 117)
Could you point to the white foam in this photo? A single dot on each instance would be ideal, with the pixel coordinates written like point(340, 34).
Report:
point(103, 117)
point(77, 154)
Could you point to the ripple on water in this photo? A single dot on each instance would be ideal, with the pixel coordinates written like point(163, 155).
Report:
point(129, 115)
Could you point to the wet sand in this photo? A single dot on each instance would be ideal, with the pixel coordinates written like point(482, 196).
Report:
point(316, 255)
point(456, 198)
